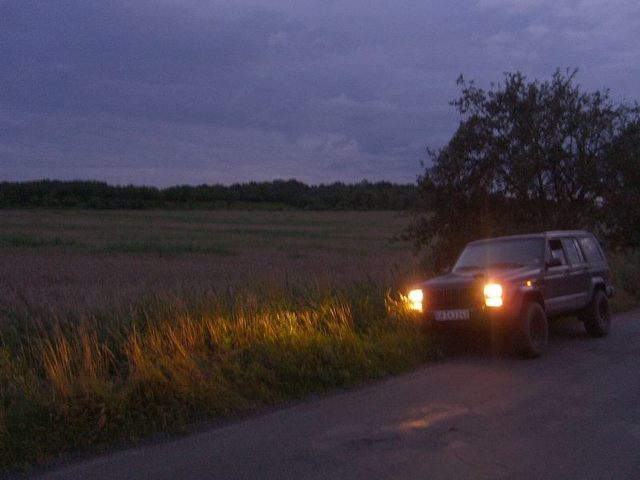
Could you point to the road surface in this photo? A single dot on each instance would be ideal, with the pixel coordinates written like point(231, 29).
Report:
point(575, 413)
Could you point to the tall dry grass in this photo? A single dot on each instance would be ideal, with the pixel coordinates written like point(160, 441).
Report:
point(71, 384)
point(71, 360)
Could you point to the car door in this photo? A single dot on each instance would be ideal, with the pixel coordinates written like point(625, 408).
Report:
point(556, 288)
point(577, 288)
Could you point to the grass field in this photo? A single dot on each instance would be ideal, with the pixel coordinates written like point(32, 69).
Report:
point(61, 262)
point(118, 325)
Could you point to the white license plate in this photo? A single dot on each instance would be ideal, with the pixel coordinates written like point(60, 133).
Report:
point(444, 315)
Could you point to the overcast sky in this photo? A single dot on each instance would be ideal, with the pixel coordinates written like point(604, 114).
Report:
point(162, 92)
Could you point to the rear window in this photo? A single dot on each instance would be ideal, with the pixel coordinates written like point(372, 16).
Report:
point(590, 249)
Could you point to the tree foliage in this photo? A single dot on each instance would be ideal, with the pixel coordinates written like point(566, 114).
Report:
point(527, 156)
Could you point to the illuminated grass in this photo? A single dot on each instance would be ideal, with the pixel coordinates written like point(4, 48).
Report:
point(72, 385)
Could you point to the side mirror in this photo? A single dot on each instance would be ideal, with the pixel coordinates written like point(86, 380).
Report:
point(554, 262)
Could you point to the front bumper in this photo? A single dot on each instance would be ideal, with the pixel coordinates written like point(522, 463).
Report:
point(478, 317)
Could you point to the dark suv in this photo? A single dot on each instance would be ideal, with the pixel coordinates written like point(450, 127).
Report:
point(521, 282)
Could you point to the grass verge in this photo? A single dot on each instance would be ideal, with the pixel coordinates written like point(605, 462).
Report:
point(626, 278)
point(76, 384)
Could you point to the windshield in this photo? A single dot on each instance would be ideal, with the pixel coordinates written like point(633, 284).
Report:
point(502, 254)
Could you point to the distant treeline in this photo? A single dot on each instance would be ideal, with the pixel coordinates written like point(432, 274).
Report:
point(276, 194)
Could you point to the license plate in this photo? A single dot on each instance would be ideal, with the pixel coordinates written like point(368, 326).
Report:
point(444, 315)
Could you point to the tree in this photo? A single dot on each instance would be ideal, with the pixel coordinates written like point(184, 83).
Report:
point(526, 156)
point(623, 196)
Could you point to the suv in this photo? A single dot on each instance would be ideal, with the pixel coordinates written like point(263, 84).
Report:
point(521, 282)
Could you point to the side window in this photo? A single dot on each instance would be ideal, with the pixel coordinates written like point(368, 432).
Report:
point(577, 245)
point(556, 251)
point(590, 249)
point(572, 252)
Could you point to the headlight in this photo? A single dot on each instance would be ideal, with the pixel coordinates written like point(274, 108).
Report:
point(415, 298)
point(493, 295)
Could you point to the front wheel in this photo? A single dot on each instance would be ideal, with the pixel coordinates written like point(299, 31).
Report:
point(533, 330)
point(597, 315)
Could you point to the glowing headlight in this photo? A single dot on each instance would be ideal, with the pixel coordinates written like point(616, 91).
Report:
point(493, 295)
point(415, 298)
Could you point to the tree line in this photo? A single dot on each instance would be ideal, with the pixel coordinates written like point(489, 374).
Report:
point(274, 194)
point(532, 156)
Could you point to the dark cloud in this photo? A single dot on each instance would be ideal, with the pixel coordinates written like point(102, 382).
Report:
point(167, 91)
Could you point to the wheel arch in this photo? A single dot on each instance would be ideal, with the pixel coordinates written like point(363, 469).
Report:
point(597, 283)
point(533, 296)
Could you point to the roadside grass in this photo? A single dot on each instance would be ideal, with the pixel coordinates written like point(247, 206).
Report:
point(77, 384)
point(626, 278)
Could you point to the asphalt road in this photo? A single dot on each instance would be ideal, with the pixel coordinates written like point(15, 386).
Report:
point(574, 413)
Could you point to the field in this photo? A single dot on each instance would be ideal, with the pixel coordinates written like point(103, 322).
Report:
point(118, 325)
point(115, 325)
point(71, 262)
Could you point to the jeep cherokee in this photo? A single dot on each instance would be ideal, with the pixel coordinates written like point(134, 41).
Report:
point(520, 282)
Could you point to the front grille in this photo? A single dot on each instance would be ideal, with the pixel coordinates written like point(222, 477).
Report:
point(452, 298)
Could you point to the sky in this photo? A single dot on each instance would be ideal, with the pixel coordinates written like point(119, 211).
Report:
point(165, 92)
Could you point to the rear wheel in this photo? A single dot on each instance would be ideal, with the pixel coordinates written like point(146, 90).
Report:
point(597, 316)
point(533, 330)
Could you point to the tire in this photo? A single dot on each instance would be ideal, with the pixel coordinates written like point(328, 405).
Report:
point(597, 316)
point(532, 331)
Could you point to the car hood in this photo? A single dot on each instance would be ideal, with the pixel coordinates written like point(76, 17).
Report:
point(466, 278)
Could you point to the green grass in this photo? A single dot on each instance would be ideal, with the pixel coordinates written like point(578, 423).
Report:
point(78, 384)
point(167, 249)
point(21, 240)
point(216, 232)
